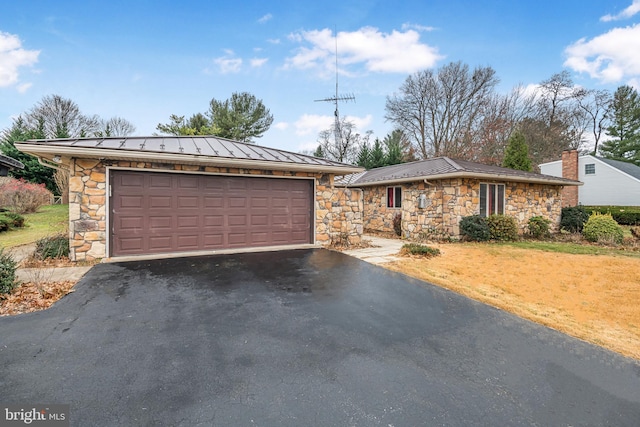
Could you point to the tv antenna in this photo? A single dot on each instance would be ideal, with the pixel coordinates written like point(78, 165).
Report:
point(335, 99)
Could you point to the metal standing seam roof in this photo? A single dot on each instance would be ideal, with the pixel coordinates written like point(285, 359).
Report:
point(444, 167)
point(10, 162)
point(176, 149)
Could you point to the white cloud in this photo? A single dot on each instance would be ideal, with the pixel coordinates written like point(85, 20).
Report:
point(265, 18)
point(228, 63)
point(422, 28)
point(610, 57)
point(22, 88)
point(630, 11)
point(258, 62)
point(312, 124)
point(281, 126)
point(395, 52)
point(274, 41)
point(12, 57)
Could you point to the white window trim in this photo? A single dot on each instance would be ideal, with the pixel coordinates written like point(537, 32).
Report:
point(395, 201)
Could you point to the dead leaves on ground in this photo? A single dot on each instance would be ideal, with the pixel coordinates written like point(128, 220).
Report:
point(31, 296)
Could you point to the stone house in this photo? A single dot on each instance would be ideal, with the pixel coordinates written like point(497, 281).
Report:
point(173, 196)
point(431, 196)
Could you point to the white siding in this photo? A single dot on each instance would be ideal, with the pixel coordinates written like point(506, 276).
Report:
point(608, 186)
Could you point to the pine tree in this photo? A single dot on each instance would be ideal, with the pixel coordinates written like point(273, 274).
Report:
point(625, 128)
point(516, 155)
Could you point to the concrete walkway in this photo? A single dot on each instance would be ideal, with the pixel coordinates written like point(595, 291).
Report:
point(44, 274)
point(381, 251)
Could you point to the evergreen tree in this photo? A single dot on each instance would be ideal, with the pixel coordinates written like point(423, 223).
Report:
point(516, 155)
point(364, 156)
point(378, 157)
point(625, 128)
point(394, 144)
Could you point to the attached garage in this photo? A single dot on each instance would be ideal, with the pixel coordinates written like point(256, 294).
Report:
point(158, 212)
point(175, 196)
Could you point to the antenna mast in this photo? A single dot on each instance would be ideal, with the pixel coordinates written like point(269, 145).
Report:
point(335, 99)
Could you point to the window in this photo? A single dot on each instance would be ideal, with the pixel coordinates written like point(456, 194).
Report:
point(394, 197)
point(491, 199)
point(590, 169)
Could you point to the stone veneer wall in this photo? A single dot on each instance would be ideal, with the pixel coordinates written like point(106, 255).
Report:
point(338, 211)
point(451, 199)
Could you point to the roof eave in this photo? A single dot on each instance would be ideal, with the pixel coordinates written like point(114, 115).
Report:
point(467, 175)
point(50, 151)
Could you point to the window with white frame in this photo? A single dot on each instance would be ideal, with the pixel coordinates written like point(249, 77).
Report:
point(590, 169)
point(491, 199)
point(394, 197)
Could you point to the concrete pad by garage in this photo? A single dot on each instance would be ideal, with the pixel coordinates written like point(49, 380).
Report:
point(382, 250)
point(51, 274)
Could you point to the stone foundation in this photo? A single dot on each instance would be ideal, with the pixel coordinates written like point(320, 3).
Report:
point(338, 211)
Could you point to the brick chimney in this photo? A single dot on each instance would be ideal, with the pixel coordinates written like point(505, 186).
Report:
point(570, 171)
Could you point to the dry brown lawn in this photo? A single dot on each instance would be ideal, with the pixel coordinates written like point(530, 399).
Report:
point(592, 297)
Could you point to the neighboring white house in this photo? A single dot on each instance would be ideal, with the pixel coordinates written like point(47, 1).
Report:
point(606, 182)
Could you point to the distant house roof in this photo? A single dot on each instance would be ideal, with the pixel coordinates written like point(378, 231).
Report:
point(199, 150)
point(10, 163)
point(626, 167)
point(444, 167)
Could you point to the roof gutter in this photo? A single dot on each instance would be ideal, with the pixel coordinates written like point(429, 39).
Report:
point(466, 175)
point(47, 152)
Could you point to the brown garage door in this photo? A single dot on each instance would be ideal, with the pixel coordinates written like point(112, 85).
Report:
point(155, 212)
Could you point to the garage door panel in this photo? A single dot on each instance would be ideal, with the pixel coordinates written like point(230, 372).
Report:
point(157, 212)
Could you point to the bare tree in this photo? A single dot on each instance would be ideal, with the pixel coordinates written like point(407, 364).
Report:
point(500, 119)
point(61, 118)
point(115, 126)
point(441, 111)
point(597, 105)
point(344, 145)
point(557, 122)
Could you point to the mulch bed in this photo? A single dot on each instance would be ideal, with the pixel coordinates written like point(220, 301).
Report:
point(29, 297)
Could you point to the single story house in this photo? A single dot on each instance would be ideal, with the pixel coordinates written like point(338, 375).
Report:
point(606, 182)
point(161, 196)
point(7, 164)
point(432, 196)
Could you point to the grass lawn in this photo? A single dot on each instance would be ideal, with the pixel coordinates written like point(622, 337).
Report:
point(49, 220)
point(586, 291)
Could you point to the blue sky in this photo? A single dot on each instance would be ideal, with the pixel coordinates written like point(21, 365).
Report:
point(145, 60)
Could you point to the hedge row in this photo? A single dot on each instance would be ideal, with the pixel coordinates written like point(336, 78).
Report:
point(625, 215)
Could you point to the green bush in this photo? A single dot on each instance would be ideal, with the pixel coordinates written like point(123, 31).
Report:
point(624, 215)
point(603, 229)
point(572, 219)
point(8, 267)
point(4, 224)
point(418, 249)
point(475, 228)
point(14, 219)
point(538, 226)
point(52, 247)
point(502, 227)
point(397, 224)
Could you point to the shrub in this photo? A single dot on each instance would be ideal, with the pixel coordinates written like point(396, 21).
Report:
point(14, 219)
point(624, 215)
point(4, 224)
point(475, 228)
point(397, 224)
point(418, 249)
point(502, 227)
point(538, 226)
point(23, 197)
point(52, 247)
point(8, 267)
point(603, 229)
point(635, 232)
point(572, 219)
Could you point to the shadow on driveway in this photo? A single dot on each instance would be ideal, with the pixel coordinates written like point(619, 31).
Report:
point(301, 337)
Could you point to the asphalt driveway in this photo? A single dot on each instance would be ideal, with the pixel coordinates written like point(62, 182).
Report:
point(301, 338)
